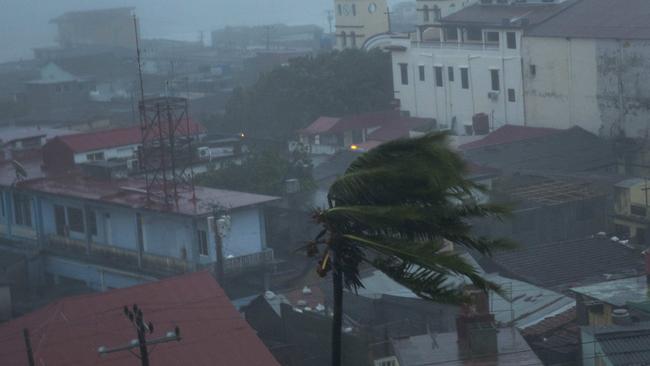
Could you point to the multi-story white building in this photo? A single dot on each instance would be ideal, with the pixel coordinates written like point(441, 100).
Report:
point(468, 63)
point(538, 63)
point(358, 20)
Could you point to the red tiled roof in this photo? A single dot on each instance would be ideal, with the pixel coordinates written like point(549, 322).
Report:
point(322, 124)
point(349, 123)
point(98, 140)
point(396, 128)
point(508, 134)
point(69, 331)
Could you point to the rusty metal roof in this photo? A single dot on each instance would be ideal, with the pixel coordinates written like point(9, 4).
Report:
point(604, 19)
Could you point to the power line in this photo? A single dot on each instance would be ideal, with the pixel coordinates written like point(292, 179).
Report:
point(136, 317)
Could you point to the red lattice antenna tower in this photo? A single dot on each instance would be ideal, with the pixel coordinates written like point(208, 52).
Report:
point(166, 153)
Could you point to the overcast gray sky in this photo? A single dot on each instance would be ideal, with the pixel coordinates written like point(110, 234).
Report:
point(24, 24)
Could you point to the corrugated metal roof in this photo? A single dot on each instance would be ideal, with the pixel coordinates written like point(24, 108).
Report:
point(626, 346)
point(98, 140)
point(508, 134)
point(69, 331)
point(560, 265)
point(494, 15)
point(609, 19)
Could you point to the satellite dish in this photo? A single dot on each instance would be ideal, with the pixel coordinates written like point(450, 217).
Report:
point(21, 172)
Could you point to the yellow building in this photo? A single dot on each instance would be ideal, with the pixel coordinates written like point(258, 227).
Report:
point(358, 20)
point(631, 214)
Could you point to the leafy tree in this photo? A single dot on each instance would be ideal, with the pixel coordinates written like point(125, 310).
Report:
point(395, 208)
point(290, 97)
point(264, 171)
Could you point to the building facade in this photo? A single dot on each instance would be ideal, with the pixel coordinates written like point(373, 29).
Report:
point(108, 235)
point(588, 65)
point(466, 64)
point(358, 20)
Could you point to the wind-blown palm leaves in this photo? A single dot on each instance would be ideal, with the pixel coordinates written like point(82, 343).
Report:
point(395, 208)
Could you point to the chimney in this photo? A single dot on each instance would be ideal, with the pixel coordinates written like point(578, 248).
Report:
point(646, 255)
point(621, 317)
point(476, 332)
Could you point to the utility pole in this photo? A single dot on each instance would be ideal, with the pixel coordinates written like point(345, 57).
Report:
point(330, 18)
point(28, 346)
point(390, 28)
point(268, 36)
point(218, 243)
point(137, 319)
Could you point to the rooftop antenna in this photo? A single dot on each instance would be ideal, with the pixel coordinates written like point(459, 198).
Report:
point(137, 49)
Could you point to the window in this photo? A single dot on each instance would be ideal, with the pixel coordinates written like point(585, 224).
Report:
point(75, 219)
point(354, 38)
point(638, 210)
point(425, 11)
point(492, 37)
point(404, 73)
point(22, 210)
point(464, 78)
point(354, 10)
point(511, 95)
point(451, 34)
point(640, 236)
point(494, 75)
point(438, 73)
point(92, 222)
point(338, 9)
point(59, 220)
point(436, 12)
point(474, 35)
point(533, 70)
point(421, 72)
point(621, 231)
point(344, 39)
point(203, 243)
point(450, 73)
point(95, 156)
point(511, 38)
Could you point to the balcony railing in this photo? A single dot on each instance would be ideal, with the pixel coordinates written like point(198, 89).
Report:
point(122, 257)
point(457, 45)
point(244, 262)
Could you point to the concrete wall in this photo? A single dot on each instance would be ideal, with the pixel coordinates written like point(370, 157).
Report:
point(562, 92)
point(451, 102)
point(121, 152)
point(600, 85)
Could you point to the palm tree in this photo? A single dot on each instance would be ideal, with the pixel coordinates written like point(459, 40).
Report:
point(395, 208)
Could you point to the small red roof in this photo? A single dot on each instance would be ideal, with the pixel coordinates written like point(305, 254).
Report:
point(322, 124)
point(69, 331)
point(97, 140)
point(349, 123)
point(508, 134)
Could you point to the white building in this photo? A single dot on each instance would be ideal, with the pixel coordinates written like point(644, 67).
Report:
point(358, 20)
point(467, 63)
point(534, 63)
point(588, 66)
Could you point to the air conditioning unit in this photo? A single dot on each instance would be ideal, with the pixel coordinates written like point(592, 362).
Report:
point(203, 152)
point(493, 95)
point(132, 164)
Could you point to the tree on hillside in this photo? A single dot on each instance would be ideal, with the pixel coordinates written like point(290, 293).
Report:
point(395, 208)
point(290, 97)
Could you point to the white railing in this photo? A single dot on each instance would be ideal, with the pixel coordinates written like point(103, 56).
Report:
point(247, 261)
point(457, 45)
point(129, 257)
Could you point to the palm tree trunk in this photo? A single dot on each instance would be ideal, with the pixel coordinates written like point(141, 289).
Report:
point(337, 321)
